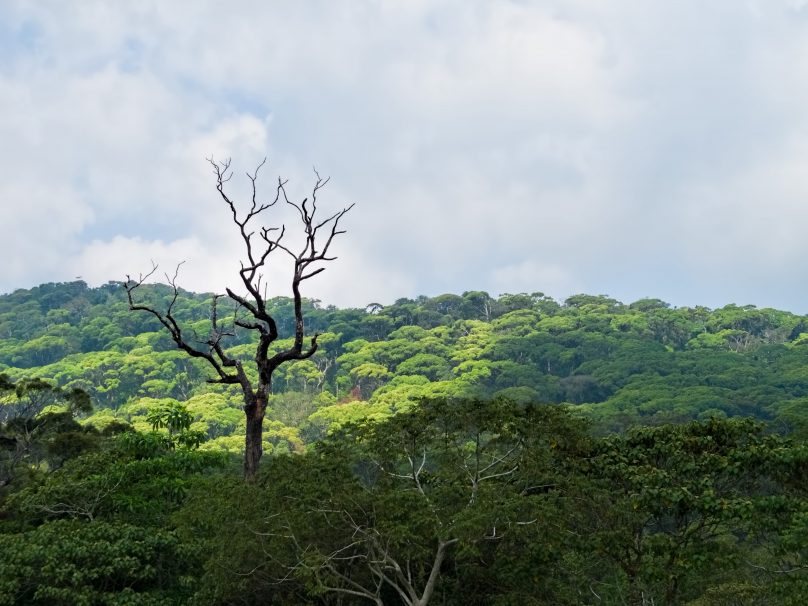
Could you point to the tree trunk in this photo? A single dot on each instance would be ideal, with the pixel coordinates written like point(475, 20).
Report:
point(255, 412)
point(435, 572)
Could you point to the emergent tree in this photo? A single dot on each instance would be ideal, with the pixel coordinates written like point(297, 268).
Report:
point(251, 312)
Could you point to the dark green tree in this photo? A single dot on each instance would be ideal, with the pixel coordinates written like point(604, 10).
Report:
point(37, 424)
point(382, 513)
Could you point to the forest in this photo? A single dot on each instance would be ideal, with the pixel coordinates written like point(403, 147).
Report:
point(457, 449)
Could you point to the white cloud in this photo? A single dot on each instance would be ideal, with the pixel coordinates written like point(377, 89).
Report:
point(797, 5)
point(39, 222)
point(757, 218)
point(100, 261)
point(618, 147)
point(527, 276)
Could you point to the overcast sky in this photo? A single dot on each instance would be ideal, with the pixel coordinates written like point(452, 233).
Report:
point(619, 147)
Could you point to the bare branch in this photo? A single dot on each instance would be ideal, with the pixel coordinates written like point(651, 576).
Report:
point(259, 242)
point(168, 320)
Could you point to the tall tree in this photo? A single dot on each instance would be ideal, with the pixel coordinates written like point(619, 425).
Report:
point(30, 433)
point(251, 307)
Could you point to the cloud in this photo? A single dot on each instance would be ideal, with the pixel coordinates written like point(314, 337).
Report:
point(625, 147)
point(38, 221)
point(101, 261)
point(524, 276)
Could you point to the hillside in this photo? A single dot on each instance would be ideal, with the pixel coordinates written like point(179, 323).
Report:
point(455, 450)
point(618, 364)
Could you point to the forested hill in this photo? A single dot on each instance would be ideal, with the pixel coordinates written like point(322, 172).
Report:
point(619, 364)
point(393, 473)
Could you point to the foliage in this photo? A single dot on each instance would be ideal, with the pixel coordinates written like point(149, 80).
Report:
point(38, 427)
point(526, 451)
point(97, 530)
point(619, 364)
point(448, 482)
point(71, 563)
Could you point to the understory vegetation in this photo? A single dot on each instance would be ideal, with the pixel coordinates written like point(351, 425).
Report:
point(458, 449)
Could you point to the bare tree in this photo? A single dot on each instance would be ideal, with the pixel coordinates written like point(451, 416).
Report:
point(251, 308)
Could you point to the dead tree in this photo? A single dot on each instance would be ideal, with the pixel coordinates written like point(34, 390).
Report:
point(251, 311)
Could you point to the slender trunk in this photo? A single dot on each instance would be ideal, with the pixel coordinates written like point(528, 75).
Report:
point(255, 411)
point(636, 596)
point(434, 573)
point(672, 591)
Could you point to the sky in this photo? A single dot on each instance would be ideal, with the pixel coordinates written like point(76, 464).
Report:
point(620, 147)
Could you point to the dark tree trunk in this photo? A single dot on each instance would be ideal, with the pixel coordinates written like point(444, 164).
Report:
point(254, 437)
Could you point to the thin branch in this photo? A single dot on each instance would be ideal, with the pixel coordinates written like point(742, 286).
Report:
point(170, 323)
